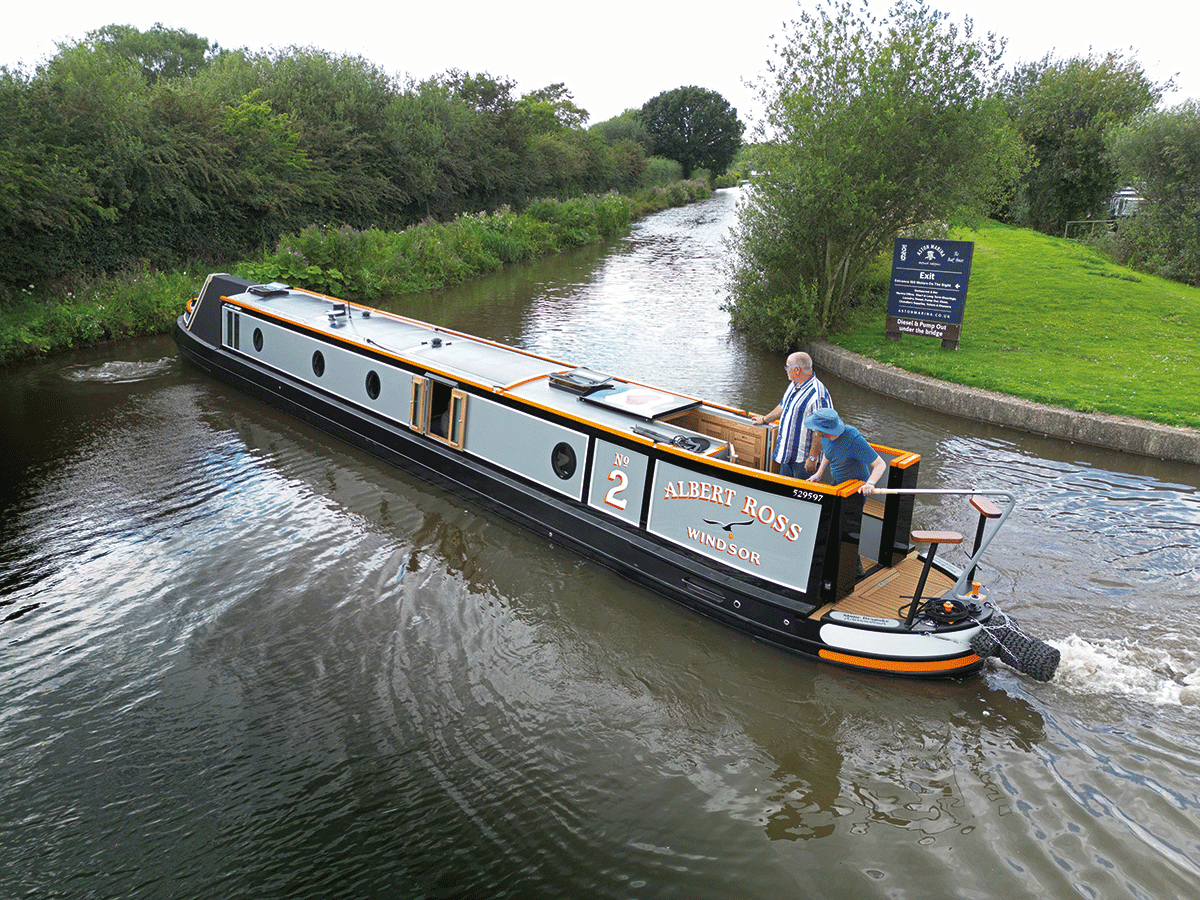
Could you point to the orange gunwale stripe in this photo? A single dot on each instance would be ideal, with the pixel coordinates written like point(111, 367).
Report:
point(891, 665)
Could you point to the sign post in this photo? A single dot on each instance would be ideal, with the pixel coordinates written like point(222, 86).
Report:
point(929, 289)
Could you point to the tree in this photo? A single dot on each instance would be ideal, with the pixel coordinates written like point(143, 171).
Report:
point(873, 128)
point(160, 52)
point(343, 109)
point(1063, 108)
point(495, 140)
point(693, 126)
point(628, 126)
point(46, 193)
point(1160, 152)
point(551, 109)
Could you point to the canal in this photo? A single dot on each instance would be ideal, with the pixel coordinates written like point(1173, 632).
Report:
point(242, 659)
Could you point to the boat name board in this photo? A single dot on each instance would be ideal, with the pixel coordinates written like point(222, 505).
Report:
point(766, 535)
point(859, 619)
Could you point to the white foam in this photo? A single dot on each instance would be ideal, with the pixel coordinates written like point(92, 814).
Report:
point(1125, 667)
point(118, 371)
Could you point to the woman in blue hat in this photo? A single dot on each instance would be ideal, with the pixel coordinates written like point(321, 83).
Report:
point(847, 453)
point(847, 456)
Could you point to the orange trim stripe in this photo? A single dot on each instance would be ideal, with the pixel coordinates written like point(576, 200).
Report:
point(893, 665)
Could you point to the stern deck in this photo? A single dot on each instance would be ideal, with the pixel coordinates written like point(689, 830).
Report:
point(884, 592)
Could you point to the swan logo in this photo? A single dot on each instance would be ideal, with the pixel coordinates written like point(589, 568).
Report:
point(729, 526)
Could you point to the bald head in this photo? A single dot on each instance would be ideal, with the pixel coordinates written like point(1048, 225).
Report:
point(801, 359)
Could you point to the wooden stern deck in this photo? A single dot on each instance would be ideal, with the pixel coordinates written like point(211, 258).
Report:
point(883, 593)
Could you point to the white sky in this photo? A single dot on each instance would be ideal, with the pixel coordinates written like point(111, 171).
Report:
point(611, 56)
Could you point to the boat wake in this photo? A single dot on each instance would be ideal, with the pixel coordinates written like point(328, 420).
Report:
point(118, 371)
point(1125, 667)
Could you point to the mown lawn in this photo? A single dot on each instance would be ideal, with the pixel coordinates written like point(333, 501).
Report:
point(1053, 321)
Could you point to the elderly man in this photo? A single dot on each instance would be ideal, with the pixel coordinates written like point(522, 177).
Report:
point(798, 450)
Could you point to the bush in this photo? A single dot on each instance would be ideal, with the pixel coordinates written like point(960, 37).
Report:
point(614, 214)
point(130, 304)
point(777, 322)
point(343, 262)
point(661, 172)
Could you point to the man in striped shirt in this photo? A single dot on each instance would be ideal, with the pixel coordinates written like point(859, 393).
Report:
point(798, 450)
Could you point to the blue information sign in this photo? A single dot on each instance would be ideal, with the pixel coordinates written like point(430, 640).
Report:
point(929, 288)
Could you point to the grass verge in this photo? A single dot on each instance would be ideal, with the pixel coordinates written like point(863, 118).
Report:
point(1053, 321)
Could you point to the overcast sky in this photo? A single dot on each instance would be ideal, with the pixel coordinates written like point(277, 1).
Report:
point(611, 56)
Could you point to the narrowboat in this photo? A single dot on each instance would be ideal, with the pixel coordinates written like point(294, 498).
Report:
point(675, 493)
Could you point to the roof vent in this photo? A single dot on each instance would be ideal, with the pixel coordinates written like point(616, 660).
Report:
point(274, 289)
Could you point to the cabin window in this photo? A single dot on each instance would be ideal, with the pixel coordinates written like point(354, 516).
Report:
point(373, 385)
point(454, 418)
point(563, 461)
point(233, 329)
point(318, 363)
point(439, 410)
point(258, 340)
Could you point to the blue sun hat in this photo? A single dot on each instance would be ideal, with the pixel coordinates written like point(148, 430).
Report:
point(826, 421)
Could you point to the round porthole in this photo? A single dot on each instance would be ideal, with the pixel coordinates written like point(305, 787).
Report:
point(373, 385)
point(318, 363)
point(562, 458)
point(258, 340)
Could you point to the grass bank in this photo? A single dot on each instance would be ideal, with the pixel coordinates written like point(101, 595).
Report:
point(344, 262)
point(1055, 322)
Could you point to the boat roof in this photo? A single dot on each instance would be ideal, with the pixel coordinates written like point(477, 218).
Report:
point(576, 390)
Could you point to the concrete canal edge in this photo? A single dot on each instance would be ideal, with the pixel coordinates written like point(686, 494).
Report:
point(1099, 430)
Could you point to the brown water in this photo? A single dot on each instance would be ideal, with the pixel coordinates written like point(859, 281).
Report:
point(241, 659)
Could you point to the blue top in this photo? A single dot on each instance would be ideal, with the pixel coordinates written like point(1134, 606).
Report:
point(849, 455)
point(794, 439)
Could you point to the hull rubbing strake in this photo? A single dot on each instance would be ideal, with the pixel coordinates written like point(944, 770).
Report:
point(893, 665)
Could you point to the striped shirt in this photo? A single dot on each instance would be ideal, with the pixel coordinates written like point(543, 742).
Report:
point(795, 440)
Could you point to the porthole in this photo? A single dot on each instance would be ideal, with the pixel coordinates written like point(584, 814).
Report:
point(258, 340)
point(373, 385)
point(318, 363)
point(562, 459)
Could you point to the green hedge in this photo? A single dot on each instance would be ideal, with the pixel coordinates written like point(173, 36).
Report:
point(364, 265)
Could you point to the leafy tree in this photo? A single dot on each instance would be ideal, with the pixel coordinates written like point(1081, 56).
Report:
point(1063, 108)
point(628, 126)
point(39, 188)
point(694, 126)
point(343, 110)
point(496, 141)
point(551, 108)
point(160, 52)
point(873, 128)
point(86, 109)
point(46, 193)
point(133, 147)
point(1160, 152)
